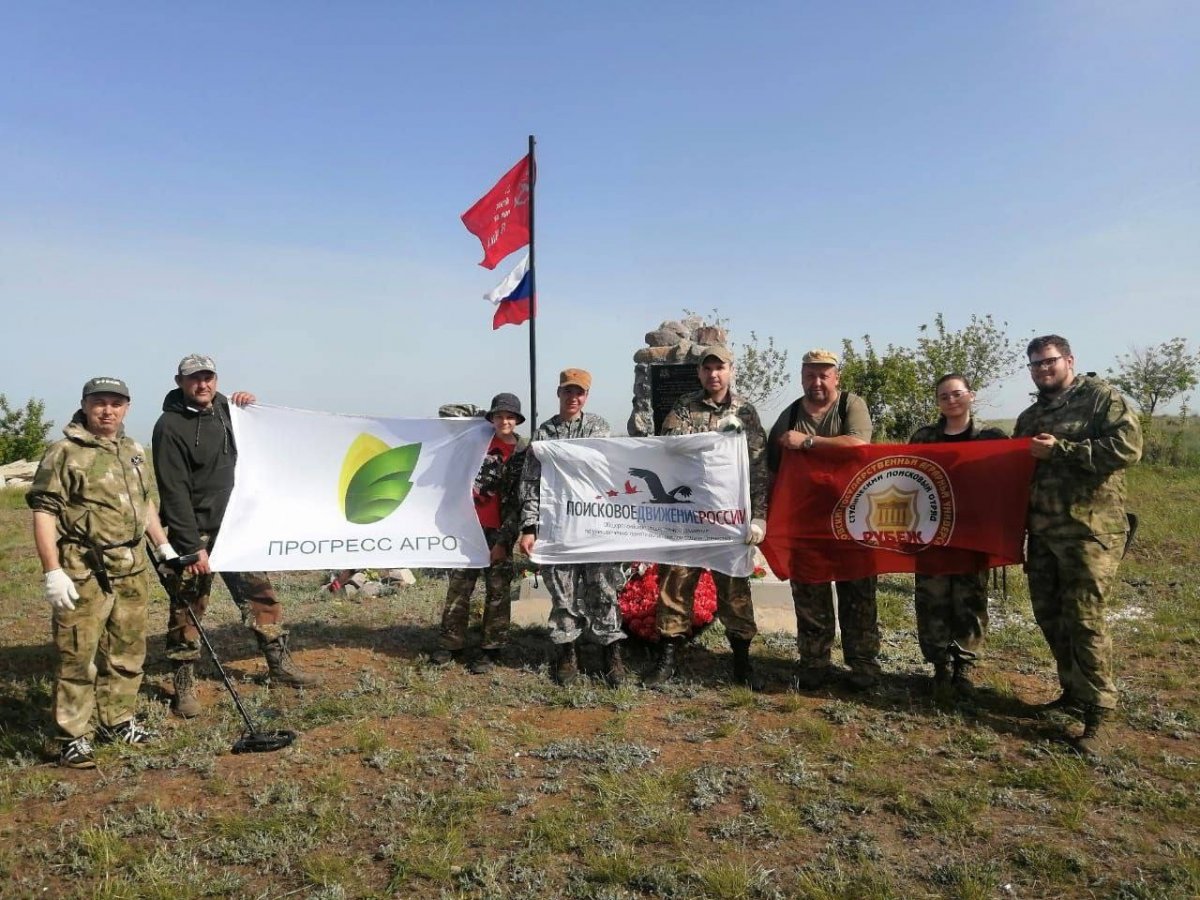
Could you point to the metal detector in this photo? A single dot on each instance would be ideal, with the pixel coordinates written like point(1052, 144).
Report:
point(252, 740)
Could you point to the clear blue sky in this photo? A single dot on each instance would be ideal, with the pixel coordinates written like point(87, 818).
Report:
point(279, 185)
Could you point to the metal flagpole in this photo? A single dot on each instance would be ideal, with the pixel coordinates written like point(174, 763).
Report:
point(533, 297)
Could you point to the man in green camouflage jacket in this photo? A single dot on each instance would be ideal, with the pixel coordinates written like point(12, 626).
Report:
point(714, 408)
point(91, 512)
point(1084, 437)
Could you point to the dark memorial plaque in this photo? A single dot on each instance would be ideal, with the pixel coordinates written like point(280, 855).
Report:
point(669, 382)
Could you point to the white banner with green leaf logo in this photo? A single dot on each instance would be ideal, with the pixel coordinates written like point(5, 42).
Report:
point(316, 490)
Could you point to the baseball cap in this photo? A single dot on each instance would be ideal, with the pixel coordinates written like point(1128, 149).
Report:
point(578, 377)
point(720, 351)
point(104, 385)
point(197, 362)
point(820, 357)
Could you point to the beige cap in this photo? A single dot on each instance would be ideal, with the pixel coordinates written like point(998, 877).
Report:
point(578, 377)
point(820, 357)
point(720, 351)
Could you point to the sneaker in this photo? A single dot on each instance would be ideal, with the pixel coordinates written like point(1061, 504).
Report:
point(78, 754)
point(130, 732)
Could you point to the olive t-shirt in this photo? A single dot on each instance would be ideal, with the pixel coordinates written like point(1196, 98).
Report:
point(857, 422)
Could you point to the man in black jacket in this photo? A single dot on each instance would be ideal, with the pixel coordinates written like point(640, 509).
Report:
point(194, 456)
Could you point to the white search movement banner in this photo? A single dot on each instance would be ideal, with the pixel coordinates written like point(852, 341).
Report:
point(681, 500)
point(316, 490)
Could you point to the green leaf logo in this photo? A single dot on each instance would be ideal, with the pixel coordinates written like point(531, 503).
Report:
point(375, 478)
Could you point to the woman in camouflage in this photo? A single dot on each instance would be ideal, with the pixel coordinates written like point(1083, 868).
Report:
point(952, 613)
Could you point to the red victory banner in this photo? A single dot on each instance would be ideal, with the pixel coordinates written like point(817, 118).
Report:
point(933, 509)
point(500, 218)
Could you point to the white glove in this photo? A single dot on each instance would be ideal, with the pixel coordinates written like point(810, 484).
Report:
point(758, 531)
point(730, 424)
point(166, 552)
point(60, 590)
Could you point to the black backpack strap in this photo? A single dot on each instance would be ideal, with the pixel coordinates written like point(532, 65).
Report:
point(843, 404)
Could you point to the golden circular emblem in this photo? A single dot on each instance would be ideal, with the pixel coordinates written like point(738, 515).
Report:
point(899, 503)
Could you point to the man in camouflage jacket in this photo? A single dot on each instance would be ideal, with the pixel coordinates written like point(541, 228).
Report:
point(1084, 437)
point(91, 511)
point(714, 408)
point(583, 598)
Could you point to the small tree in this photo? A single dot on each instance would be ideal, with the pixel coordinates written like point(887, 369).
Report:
point(1154, 376)
point(889, 385)
point(898, 385)
point(981, 351)
point(22, 430)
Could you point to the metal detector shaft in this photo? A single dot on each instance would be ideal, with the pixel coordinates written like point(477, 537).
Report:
point(237, 701)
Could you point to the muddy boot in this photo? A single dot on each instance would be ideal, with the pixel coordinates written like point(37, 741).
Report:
point(484, 662)
point(566, 664)
point(1063, 703)
point(961, 662)
point(280, 664)
point(811, 678)
point(664, 669)
point(614, 665)
point(743, 671)
point(186, 704)
point(1088, 744)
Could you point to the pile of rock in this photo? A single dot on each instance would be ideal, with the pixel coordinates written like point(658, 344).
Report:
point(361, 583)
point(682, 341)
point(17, 474)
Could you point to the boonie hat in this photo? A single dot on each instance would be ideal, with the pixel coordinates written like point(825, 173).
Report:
point(508, 403)
point(719, 351)
point(578, 377)
point(104, 385)
point(197, 362)
point(820, 358)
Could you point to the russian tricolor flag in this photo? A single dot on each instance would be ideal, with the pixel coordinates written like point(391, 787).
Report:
point(513, 296)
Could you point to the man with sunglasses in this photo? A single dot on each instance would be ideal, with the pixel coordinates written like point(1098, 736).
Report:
point(1084, 437)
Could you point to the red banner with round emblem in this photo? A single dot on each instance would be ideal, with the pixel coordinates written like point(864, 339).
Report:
point(934, 509)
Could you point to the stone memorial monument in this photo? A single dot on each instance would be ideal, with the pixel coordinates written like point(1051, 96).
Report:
point(665, 369)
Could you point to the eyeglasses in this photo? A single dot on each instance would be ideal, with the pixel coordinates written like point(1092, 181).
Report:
point(952, 395)
point(1047, 363)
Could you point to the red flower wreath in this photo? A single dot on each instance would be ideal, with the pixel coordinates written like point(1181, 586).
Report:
point(638, 601)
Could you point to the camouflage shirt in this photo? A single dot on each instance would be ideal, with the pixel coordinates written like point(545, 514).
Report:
point(694, 413)
point(934, 434)
point(97, 490)
point(553, 429)
point(1080, 490)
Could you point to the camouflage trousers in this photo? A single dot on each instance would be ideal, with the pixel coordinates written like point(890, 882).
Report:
point(101, 648)
point(950, 609)
point(497, 604)
point(583, 603)
point(1069, 581)
point(251, 592)
point(677, 595)
point(856, 612)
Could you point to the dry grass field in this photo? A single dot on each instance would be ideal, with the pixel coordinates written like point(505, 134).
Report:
point(413, 780)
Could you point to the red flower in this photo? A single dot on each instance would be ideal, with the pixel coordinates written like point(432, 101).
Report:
point(638, 602)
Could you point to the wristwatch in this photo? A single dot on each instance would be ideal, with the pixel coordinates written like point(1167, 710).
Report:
point(808, 443)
